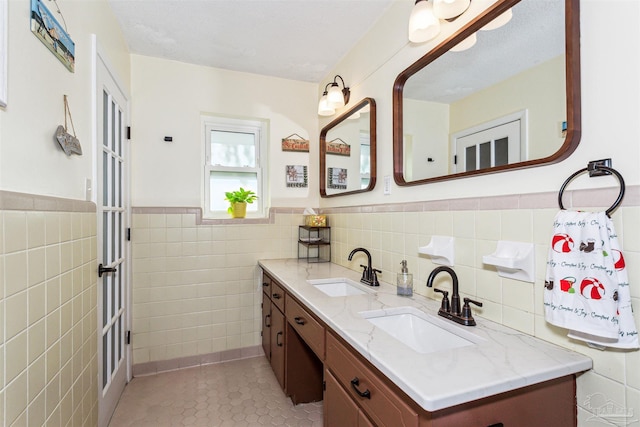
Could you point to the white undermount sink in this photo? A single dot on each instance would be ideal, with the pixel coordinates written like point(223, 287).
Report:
point(420, 331)
point(340, 287)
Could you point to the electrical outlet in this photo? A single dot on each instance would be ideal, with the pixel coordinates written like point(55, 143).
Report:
point(387, 184)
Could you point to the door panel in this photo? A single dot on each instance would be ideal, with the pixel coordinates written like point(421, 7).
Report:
point(112, 221)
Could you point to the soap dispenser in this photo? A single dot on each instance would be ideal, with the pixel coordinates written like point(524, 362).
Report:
point(404, 280)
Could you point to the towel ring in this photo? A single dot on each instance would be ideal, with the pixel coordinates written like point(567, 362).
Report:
point(590, 170)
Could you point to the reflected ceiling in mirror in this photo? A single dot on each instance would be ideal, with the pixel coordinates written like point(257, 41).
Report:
point(348, 152)
point(510, 101)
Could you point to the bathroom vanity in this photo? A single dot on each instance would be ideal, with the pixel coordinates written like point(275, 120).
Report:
point(330, 344)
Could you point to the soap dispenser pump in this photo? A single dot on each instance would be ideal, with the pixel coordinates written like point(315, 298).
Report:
point(404, 280)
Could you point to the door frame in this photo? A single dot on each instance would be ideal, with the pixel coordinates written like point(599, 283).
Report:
point(522, 116)
point(100, 59)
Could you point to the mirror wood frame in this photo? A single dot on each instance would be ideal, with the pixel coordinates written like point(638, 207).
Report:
point(572, 75)
point(372, 141)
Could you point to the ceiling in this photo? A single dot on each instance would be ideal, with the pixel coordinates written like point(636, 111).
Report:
point(292, 39)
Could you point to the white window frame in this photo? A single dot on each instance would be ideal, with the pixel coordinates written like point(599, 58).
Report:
point(260, 129)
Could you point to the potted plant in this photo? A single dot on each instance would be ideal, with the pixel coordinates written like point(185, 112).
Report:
point(238, 201)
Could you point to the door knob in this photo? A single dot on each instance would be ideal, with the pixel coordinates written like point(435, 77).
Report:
point(102, 270)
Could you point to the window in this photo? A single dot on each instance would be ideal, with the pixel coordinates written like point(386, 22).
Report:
point(233, 159)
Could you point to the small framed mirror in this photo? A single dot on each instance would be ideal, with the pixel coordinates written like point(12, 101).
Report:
point(510, 101)
point(348, 152)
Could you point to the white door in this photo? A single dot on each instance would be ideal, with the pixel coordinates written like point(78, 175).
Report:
point(113, 219)
point(495, 143)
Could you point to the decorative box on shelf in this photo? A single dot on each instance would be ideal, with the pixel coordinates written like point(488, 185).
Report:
point(314, 243)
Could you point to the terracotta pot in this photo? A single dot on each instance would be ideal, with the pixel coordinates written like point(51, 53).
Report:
point(238, 210)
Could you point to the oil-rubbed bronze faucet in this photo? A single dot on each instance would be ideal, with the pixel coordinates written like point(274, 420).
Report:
point(369, 276)
point(452, 310)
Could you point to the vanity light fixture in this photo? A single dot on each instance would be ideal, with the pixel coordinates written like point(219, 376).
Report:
point(424, 22)
point(426, 17)
point(333, 97)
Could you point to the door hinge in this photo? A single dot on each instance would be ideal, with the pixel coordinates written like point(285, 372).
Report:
point(129, 234)
point(455, 159)
point(324, 385)
point(128, 132)
point(128, 337)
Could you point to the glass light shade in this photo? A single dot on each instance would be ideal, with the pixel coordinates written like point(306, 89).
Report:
point(423, 24)
point(335, 97)
point(465, 44)
point(324, 109)
point(499, 21)
point(447, 9)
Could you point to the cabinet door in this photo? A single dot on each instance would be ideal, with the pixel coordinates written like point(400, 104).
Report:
point(363, 421)
point(339, 408)
point(277, 343)
point(266, 325)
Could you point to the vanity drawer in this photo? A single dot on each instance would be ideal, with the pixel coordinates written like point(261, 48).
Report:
point(277, 295)
point(307, 326)
point(266, 284)
point(377, 399)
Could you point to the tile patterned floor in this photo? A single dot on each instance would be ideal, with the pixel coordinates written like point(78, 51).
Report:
point(237, 393)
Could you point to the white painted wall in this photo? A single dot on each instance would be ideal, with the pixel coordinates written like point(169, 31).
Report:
point(610, 67)
point(30, 159)
point(169, 98)
point(539, 90)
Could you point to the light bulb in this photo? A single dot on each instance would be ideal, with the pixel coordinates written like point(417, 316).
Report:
point(324, 109)
point(423, 25)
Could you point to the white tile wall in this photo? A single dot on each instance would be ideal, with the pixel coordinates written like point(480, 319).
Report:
point(196, 286)
point(48, 366)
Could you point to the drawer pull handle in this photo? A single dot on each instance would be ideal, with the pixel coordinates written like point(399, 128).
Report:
point(355, 383)
point(496, 425)
point(267, 324)
point(299, 320)
point(278, 335)
point(265, 284)
point(276, 296)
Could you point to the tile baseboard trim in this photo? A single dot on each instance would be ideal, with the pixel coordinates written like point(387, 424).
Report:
point(156, 367)
point(11, 201)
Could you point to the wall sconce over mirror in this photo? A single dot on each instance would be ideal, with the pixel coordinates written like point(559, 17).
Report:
point(511, 102)
point(333, 97)
point(427, 15)
point(348, 152)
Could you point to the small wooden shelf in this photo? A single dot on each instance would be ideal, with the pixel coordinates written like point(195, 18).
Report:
point(314, 243)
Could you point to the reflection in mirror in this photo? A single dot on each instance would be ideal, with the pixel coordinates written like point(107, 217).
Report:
point(348, 152)
point(511, 101)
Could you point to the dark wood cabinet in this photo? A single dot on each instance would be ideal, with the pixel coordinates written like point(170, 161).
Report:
point(305, 355)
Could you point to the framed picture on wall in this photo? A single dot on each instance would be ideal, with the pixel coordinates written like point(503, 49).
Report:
point(337, 178)
point(296, 176)
point(47, 29)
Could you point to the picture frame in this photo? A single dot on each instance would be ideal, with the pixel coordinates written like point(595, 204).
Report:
point(47, 29)
point(337, 178)
point(296, 176)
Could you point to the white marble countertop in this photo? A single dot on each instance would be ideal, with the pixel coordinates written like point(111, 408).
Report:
point(503, 359)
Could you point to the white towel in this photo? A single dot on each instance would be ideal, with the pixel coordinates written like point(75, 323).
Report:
point(587, 286)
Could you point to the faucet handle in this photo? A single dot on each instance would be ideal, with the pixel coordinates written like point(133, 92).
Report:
point(374, 276)
point(444, 306)
point(466, 308)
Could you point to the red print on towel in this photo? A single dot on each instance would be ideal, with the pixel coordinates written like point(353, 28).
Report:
point(591, 288)
point(618, 260)
point(562, 243)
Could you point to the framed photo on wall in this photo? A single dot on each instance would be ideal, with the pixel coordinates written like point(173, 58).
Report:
point(337, 178)
point(47, 29)
point(296, 176)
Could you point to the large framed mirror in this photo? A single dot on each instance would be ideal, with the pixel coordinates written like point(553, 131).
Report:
point(511, 101)
point(348, 152)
